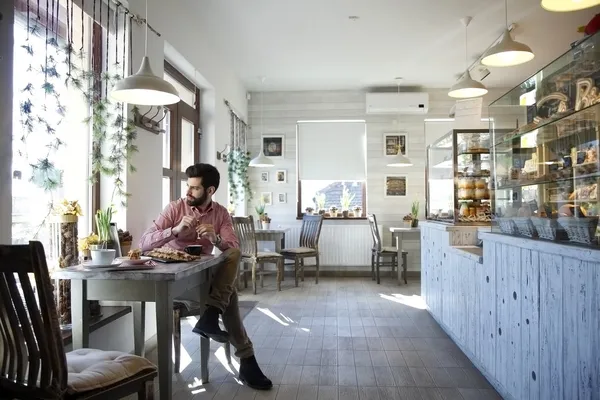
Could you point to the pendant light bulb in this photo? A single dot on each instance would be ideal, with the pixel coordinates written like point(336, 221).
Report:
point(467, 87)
point(144, 88)
point(568, 5)
point(261, 161)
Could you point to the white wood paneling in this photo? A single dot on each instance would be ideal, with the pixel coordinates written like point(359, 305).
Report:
point(528, 316)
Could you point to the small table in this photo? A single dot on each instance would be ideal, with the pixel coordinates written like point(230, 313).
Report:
point(397, 235)
point(160, 285)
point(272, 235)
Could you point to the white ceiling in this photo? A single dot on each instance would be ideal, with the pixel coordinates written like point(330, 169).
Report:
point(313, 45)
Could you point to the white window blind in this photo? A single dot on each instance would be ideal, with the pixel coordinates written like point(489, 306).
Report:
point(332, 150)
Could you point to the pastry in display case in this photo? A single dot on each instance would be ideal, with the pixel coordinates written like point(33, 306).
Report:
point(458, 178)
point(546, 169)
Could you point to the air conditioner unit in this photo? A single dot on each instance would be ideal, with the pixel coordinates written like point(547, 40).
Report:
point(416, 103)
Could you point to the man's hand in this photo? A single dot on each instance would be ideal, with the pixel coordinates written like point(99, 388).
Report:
point(206, 231)
point(185, 227)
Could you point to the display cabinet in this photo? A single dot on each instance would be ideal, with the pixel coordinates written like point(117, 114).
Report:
point(459, 184)
point(546, 169)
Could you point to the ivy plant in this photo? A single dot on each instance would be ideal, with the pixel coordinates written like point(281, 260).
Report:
point(237, 173)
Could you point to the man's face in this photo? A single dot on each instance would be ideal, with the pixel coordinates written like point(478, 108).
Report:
point(196, 195)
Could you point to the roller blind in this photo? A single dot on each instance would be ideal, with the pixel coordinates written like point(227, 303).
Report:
point(332, 150)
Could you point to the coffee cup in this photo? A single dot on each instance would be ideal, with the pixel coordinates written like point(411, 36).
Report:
point(194, 250)
point(102, 256)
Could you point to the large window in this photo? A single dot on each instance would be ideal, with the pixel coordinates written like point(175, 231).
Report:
point(331, 166)
point(181, 140)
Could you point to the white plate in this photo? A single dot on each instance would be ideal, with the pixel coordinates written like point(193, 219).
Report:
point(127, 261)
point(90, 265)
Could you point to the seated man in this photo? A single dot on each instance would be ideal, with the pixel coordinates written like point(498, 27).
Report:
point(199, 220)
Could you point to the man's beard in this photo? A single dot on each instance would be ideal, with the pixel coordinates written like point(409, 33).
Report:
point(198, 201)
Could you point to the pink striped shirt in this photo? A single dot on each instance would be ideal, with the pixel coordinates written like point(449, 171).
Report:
point(161, 234)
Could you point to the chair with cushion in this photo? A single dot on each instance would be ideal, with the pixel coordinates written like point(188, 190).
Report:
point(379, 252)
point(308, 246)
point(33, 363)
point(244, 228)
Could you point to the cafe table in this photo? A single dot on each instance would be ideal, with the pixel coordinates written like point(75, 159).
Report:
point(161, 285)
point(397, 236)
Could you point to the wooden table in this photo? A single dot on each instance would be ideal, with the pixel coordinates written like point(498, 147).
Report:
point(160, 285)
point(272, 235)
point(397, 236)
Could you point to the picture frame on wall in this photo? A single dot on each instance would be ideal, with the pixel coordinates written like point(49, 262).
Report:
point(264, 176)
point(395, 186)
point(394, 142)
point(282, 198)
point(273, 146)
point(266, 198)
point(281, 176)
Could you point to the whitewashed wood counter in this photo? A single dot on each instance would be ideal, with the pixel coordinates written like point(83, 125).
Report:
point(528, 315)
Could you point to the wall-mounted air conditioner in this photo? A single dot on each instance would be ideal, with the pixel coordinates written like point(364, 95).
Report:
point(415, 103)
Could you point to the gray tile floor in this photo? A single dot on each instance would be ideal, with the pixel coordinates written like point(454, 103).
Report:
point(343, 339)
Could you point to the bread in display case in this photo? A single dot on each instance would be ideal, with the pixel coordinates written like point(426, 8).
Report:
point(458, 178)
point(546, 169)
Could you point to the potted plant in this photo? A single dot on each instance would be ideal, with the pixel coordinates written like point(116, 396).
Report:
point(407, 220)
point(333, 212)
point(265, 222)
point(88, 243)
point(125, 240)
point(415, 213)
point(260, 210)
point(345, 201)
point(103, 220)
point(320, 202)
point(309, 210)
point(357, 212)
point(68, 211)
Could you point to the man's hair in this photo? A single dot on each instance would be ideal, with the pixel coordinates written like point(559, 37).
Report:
point(209, 174)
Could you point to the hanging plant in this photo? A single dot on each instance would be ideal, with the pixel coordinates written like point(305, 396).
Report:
point(237, 172)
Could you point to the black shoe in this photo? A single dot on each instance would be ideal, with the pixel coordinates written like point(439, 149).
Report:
point(208, 326)
point(252, 376)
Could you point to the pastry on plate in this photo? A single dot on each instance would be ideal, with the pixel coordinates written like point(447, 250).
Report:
point(134, 254)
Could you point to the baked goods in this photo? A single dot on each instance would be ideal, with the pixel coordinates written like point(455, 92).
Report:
point(135, 254)
point(165, 253)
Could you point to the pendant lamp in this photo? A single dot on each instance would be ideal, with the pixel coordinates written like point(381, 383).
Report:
point(261, 161)
point(568, 5)
point(144, 88)
point(467, 87)
point(507, 52)
point(399, 160)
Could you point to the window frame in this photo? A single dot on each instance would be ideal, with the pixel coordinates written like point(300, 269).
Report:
point(300, 211)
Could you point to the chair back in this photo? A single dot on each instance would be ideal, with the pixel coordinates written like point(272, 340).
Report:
point(310, 231)
point(32, 357)
point(244, 229)
point(374, 232)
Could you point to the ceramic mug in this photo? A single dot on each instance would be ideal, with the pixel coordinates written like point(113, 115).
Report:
point(102, 256)
point(194, 250)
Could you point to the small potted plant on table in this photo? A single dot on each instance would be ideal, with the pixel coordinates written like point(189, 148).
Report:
point(309, 210)
point(320, 202)
point(408, 221)
point(333, 212)
point(345, 200)
point(265, 222)
point(415, 214)
point(357, 212)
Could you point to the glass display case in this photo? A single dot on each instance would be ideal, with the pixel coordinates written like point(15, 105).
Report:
point(458, 179)
point(546, 167)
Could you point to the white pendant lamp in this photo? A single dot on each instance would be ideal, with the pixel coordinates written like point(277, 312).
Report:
point(467, 87)
point(144, 88)
point(399, 160)
point(261, 161)
point(507, 52)
point(568, 5)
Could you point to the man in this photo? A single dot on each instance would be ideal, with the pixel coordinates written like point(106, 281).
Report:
point(199, 220)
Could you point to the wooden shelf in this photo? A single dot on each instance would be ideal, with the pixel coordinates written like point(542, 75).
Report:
point(108, 314)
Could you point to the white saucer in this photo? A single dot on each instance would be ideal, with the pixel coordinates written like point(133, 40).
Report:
point(90, 265)
point(126, 261)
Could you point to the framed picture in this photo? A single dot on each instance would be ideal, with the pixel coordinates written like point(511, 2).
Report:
point(281, 176)
point(266, 198)
point(273, 146)
point(395, 186)
point(394, 142)
point(282, 198)
point(264, 176)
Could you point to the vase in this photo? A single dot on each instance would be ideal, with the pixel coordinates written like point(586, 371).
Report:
point(333, 214)
point(321, 212)
point(408, 224)
point(125, 248)
point(357, 214)
point(266, 225)
point(345, 214)
point(415, 223)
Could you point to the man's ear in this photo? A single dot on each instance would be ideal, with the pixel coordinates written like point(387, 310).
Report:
point(211, 190)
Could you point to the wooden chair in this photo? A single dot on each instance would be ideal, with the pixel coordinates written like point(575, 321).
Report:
point(33, 363)
point(244, 228)
point(308, 246)
point(378, 252)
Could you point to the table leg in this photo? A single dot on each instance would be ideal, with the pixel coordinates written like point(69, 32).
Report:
point(139, 328)
point(204, 342)
point(398, 236)
point(80, 314)
point(164, 337)
point(280, 245)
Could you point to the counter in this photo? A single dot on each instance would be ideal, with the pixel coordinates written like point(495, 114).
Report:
point(526, 312)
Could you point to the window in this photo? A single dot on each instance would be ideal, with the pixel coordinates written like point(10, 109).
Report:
point(181, 141)
point(331, 166)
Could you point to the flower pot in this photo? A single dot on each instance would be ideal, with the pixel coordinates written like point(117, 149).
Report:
point(321, 212)
point(345, 213)
point(309, 212)
point(357, 213)
point(415, 223)
point(125, 247)
point(266, 225)
point(408, 224)
point(333, 214)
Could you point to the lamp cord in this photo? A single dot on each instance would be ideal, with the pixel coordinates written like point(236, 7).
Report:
point(146, 40)
point(466, 48)
point(506, 13)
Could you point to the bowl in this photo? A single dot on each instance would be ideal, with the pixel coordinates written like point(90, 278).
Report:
point(102, 256)
point(194, 250)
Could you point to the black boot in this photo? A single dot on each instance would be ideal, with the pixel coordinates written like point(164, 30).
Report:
point(208, 326)
point(252, 376)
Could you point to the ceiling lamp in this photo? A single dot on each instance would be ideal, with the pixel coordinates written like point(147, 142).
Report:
point(507, 52)
point(261, 161)
point(144, 88)
point(467, 87)
point(399, 160)
point(568, 5)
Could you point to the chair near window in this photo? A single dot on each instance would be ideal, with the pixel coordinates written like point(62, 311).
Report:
point(379, 252)
point(309, 246)
point(33, 363)
point(244, 228)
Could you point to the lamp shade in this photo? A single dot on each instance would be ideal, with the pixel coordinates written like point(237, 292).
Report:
point(400, 161)
point(261, 161)
point(145, 89)
point(568, 5)
point(467, 87)
point(507, 53)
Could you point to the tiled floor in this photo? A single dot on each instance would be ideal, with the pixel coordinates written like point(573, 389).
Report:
point(342, 339)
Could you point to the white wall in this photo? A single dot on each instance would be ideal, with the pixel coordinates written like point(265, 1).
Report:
point(283, 109)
